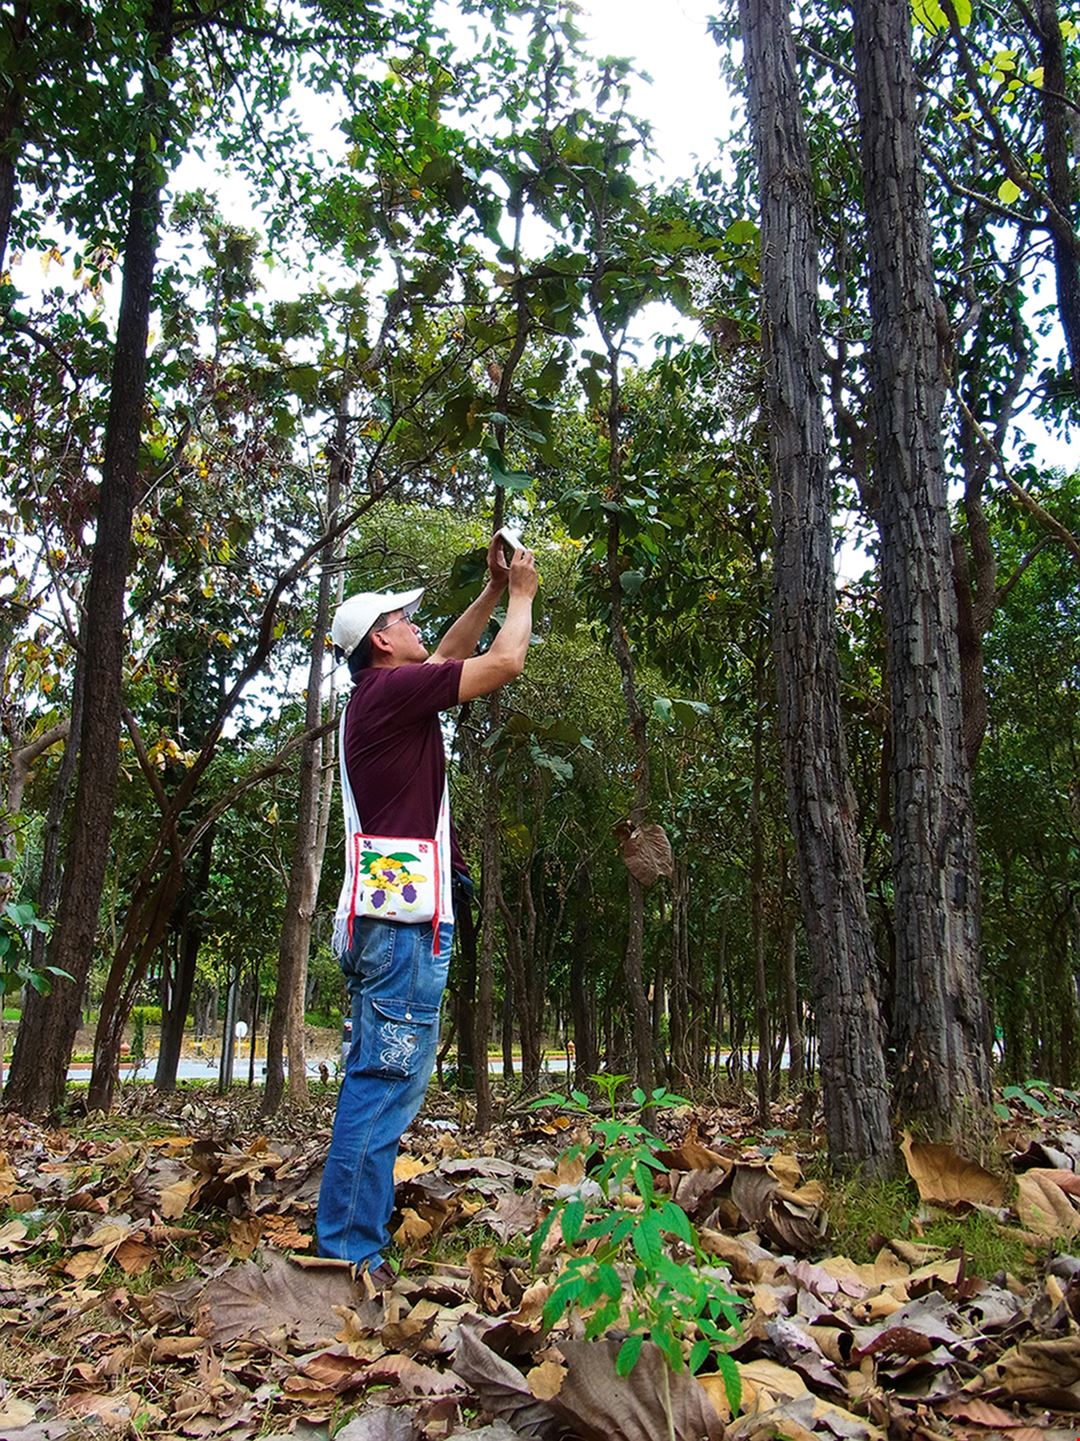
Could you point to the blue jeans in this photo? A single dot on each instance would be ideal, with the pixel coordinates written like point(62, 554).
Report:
point(396, 985)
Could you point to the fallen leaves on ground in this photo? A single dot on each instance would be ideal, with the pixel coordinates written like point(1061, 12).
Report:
point(157, 1278)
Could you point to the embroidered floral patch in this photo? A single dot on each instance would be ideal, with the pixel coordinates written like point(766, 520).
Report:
point(398, 1046)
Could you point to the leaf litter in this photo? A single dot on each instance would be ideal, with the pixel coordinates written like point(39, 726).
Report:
point(157, 1279)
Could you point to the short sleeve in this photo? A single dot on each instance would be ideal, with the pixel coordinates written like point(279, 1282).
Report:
point(410, 693)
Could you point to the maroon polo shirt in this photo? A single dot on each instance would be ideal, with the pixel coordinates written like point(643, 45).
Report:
point(394, 749)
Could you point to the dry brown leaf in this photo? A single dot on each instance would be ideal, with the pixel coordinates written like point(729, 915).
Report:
point(486, 1280)
point(13, 1237)
point(602, 1406)
point(785, 1168)
point(512, 1215)
point(748, 1261)
point(113, 1410)
point(406, 1167)
point(567, 1172)
point(413, 1231)
point(15, 1414)
point(1044, 1206)
point(979, 1413)
point(501, 1389)
point(692, 1155)
point(245, 1233)
point(804, 1418)
point(946, 1178)
point(134, 1255)
point(284, 1234)
point(175, 1199)
point(1041, 1373)
point(378, 1423)
point(277, 1302)
point(545, 1380)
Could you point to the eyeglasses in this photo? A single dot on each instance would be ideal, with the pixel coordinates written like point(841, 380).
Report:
point(389, 623)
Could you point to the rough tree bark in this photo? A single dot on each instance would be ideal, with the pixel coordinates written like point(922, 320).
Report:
point(941, 1023)
point(49, 1023)
point(821, 801)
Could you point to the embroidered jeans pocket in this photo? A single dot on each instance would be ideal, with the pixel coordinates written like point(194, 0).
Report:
point(399, 1038)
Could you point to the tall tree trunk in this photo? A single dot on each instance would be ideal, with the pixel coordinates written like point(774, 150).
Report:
point(51, 875)
point(182, 978)
point(465, 994)
point(634, 955)
point(144, 930)
point(49, 1023)
point(582, 1008)
point(490, 891)
point(821, 801)
point(940, 1021)
point(763, 1069)
point(680, 1034)
point(287, 1015)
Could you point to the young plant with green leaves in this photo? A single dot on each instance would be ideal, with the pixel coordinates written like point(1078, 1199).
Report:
point(620, 1229)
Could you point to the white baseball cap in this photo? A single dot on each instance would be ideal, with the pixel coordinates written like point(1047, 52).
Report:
point(355, 617)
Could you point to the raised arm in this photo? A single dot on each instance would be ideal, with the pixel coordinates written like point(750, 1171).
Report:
point(481, 674)
point(461, 639)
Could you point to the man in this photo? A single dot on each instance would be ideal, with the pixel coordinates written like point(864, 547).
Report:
point(394, 784)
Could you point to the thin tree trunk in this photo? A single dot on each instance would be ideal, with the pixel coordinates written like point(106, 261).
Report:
point(821, 801)
point(465, 998)
point(49, 1023)
point(796, 1048)
point(174, 1014)
point(491, 890)
point(757, 897)
point(940, 1020)
point(287, 1016)
point(582, 1009)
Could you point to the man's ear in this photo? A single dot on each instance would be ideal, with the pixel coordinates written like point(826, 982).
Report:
point(381, 642)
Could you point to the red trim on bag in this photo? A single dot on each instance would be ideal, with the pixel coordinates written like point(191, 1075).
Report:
point(435, 917)
point(355, 883)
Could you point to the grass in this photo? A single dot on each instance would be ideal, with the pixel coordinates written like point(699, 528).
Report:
point(863, 1216)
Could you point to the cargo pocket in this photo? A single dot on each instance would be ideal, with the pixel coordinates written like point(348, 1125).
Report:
point(399, 1039)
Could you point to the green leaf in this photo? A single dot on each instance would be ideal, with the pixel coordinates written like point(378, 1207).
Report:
point(608, 1278)
point(674, 1219)
point(507, 479)
point(698, 1353)
point(648, 1241)
point(732, 1382)
point(1008, 192)
point(742, 232)
point(540, 1236)
point(628, 1355)
point(930, 15)
point(572, 1218)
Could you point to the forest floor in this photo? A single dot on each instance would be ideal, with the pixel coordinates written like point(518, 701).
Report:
point(157, 1279)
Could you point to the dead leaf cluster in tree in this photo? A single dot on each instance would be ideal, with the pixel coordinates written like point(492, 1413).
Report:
point(156, 1279)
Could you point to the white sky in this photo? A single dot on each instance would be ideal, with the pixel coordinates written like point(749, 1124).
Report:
point(686, 101)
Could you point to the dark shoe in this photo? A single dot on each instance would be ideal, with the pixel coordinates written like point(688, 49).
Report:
point(382, 1276)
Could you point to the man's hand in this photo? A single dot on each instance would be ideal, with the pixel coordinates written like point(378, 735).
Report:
point(523, 577)
point(498, 570)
